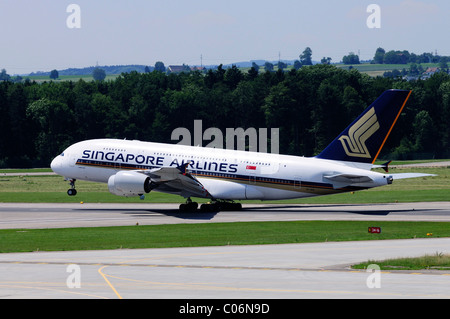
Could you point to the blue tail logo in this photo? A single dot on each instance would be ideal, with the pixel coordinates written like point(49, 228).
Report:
point(354, 143)
point(363, 139)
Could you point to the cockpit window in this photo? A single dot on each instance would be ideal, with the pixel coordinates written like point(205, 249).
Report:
point(62, 154)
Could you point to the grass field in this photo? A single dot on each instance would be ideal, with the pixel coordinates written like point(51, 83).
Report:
point(211, 234)
point(438, 261)
point(73, 78)
point(379, 69)
point(52, 189)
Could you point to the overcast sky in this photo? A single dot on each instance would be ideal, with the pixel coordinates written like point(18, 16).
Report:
point(35, 35)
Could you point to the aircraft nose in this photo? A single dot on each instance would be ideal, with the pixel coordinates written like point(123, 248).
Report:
point(56, 164)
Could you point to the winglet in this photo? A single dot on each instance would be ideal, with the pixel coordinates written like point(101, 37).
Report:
point(363, 140)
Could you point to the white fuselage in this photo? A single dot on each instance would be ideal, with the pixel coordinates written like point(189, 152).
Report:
point(226, 174)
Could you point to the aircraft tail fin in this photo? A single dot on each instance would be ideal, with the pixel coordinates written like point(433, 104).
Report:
point(363, 140)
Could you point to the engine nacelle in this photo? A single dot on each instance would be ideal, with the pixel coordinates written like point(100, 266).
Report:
point(129, 184)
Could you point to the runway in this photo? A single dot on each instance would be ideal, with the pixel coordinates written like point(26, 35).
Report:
point(18, 215)
point(289, 271)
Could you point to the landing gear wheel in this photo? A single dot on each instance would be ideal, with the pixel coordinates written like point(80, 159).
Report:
point(210, 207)
point(221, 206)
point(72, 191)
point(237, 206)
point(189, 207)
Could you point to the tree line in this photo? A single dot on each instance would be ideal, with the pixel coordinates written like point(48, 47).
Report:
point(404, 57)
point(310, 106)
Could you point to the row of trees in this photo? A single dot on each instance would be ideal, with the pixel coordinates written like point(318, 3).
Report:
point(404, 57)
point(393, 57)
point(310, 106)
point(98, 74)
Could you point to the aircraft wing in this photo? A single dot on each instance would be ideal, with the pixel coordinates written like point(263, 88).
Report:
point(176, 179)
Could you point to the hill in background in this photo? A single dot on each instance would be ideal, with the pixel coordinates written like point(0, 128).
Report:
point(112, 69)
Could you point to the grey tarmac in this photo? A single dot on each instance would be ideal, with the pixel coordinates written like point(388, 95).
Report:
point(289, 271)
point(25, 215)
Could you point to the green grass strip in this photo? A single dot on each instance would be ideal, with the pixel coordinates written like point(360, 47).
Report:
point(52, 189)
point(211, 234)
point(438, 261)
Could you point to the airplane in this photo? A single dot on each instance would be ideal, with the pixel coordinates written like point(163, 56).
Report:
point(135, 168)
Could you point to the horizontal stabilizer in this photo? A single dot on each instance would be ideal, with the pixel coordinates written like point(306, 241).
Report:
point(349, 178)
point(409, 175)
point(343, 180)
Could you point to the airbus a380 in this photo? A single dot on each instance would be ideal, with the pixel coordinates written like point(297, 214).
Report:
point(134, 168)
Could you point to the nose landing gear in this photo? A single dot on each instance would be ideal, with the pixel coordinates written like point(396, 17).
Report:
point(72, 191)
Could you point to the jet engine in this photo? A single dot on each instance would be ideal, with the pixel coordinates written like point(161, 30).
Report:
point(129, 184)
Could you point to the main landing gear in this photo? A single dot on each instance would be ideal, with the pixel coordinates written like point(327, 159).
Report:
point(72, 191)
point(190, 206)
point(218, 206)
point(215, 206)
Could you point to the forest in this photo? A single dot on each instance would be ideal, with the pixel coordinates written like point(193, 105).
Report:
point(310, 106)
